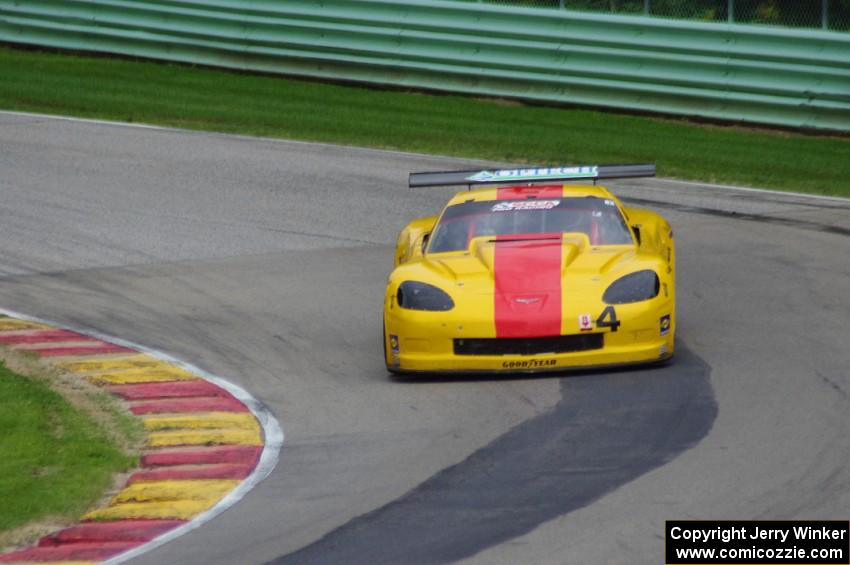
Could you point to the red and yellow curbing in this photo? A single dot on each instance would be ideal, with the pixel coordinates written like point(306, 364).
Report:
point(203, 443)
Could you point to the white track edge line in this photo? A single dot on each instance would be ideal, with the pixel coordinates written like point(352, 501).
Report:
point(272, 434)
point(771, 191)
point(392, 152)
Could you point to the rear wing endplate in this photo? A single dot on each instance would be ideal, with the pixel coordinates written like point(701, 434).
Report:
point(530, 175)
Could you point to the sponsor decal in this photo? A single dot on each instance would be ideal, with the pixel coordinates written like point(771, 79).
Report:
point(541, 173)
point(524, 205)
point(528, 300)
point(529, 364)
point(665, 324)
point(585, 322)
point(610, 202)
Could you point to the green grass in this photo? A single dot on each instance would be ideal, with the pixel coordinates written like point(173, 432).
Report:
point(200, 98)
point(55, 461)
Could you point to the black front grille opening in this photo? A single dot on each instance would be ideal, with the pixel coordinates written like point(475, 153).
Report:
point(528, 346)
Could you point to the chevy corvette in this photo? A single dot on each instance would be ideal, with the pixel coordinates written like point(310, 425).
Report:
point(531, 275)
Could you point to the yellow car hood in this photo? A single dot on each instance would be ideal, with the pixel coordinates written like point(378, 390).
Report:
point(528, 286)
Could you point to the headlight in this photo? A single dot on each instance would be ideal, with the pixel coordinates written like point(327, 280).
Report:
point(420, 296)
point(635, 287)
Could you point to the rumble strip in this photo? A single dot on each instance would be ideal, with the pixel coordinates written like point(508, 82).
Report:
point(207, 443)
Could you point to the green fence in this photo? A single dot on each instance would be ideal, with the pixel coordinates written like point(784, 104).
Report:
point(757, 74)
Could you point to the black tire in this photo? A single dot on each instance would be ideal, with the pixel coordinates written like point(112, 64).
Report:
point(384, 345)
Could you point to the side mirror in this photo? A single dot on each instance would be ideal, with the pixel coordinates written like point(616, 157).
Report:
point(636, 230)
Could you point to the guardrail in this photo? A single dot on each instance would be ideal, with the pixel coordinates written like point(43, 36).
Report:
point(786, 77)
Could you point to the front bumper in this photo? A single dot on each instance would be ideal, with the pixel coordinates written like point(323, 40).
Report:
point(430, 362)
point(424, 342)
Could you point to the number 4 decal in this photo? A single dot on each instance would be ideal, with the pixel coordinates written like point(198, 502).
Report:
point(608, 319)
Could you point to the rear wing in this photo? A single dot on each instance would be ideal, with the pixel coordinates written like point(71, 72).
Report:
point(530, 175)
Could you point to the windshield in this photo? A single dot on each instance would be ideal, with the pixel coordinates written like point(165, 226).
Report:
point(598, 218)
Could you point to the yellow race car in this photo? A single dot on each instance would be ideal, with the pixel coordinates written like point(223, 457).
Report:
point(528, 277)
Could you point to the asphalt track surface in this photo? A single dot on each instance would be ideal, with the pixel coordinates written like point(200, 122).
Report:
point(264, 262)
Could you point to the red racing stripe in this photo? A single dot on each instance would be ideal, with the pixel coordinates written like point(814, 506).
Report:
point(527, 274)
point(520, 192)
